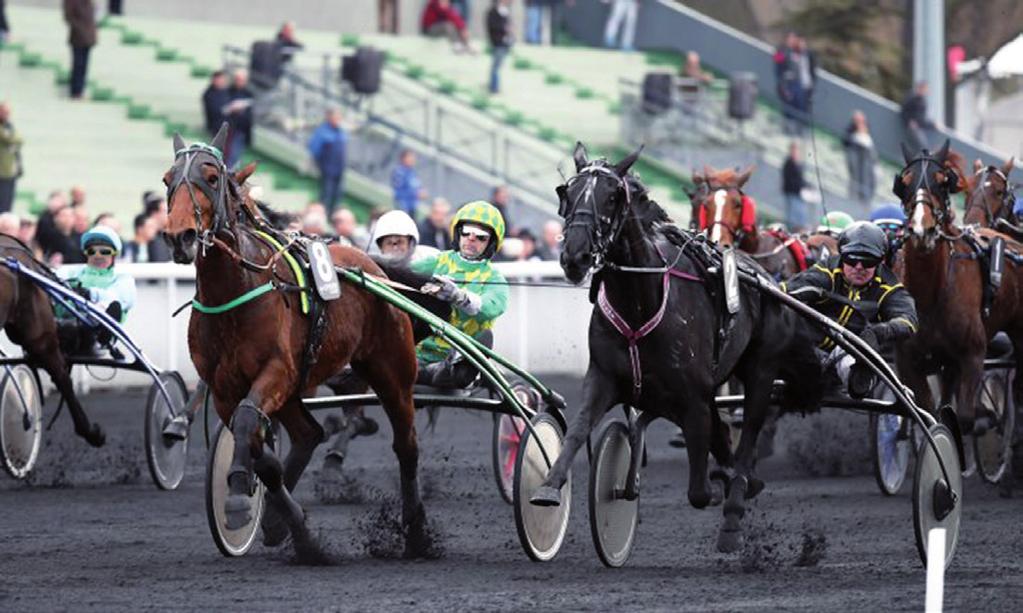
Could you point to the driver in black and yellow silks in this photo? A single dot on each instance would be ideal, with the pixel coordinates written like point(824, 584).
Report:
point(857, 290)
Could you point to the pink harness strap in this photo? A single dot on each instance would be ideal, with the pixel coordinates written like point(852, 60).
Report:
point(633, 336)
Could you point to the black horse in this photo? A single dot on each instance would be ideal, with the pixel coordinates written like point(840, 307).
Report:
point(653, 279)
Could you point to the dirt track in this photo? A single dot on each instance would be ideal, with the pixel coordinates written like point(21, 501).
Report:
point(90, 531)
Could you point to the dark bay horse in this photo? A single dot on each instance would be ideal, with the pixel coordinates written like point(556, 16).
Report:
point(729, 216)
point(654, 341)
point(946, 279)
point(28, 319)
point(254, 356)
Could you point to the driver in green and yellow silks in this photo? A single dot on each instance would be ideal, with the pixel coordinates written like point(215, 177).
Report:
point(477, 292)
point(100, 284)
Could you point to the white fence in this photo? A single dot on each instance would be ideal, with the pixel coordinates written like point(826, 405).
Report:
point(543, 330)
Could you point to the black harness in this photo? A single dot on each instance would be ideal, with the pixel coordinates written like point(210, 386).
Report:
point(604, 229)
point(1008, 197)
point(923, 186)
point(190, 160)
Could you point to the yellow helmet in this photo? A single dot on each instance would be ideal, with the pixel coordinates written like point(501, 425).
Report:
point(483, 213)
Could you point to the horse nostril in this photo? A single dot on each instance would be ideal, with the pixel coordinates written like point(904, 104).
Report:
point(188, 237)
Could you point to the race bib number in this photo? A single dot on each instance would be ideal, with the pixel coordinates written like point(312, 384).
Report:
point(731, 275)
point(324, 276)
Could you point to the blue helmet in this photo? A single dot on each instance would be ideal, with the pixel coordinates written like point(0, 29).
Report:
point(101, 234)
point(888, 214)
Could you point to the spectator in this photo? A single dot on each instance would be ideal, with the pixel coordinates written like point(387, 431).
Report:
point(786, 72)
point(108, 220)
point(77, 196)
point(214, 100)
point(328, 146)
point(10, 158)
point(61, 246)
point(287, 44)
point(80, 16)
point(347, 229)
point(692, 69)
point(501, 198)
point(806, 68)
point(441, 20)
point(5, 28)
point(114, 7)
point(915, 119)
point(860, 157)
point(27, 235)
point(10, 224)
point(622, 17)
point(137, 249)
point(239, 117)
point(551, 247)
point(46, 230)
point(464, 8)
point(434, 231)
point(500, 34)
point(537, 12)
point(408, 189)
point(529, 252)
point(792, 186)
point(81, 225)
point(314, 223)
point(387, 13)
point(154, 205)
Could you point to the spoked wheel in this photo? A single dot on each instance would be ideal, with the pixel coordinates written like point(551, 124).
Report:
point(890, 446)
point(165, 455)
point(231, 543)
point(613, 519)
point(992, 450)
point(937, 503)
point(21, 417)
point(541, 528)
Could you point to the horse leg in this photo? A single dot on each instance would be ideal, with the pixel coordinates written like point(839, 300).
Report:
point(744, 485)
point(305, 434)
point(393, 382)
point(721, 449)
point(971, 372)
point(697, 428)
point(599, 395)
point(914, 374)
point(49, 357)
point(637, 441)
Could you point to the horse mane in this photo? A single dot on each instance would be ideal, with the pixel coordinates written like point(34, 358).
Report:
point(278, 219)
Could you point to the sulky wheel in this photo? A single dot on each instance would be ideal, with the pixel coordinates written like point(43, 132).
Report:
point(992, 450)
point(613, 519)
point(506, 437)
point(937, 503)
point(165, 455)
point(541, 528)
point(231, 543)
point(890, 447)
point(21, 416)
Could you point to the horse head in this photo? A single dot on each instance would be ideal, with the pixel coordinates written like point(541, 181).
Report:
point(594, 203)
point(203, 198)
point(924, 186)
point(989, 194)
point(720, 207)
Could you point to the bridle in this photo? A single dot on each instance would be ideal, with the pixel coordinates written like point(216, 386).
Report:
point(984, 182)
point(604, 229)
point(705, 191)
point(194, 157)
point(924, 192)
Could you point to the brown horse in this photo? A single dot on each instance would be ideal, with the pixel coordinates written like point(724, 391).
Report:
point(946, 280)
point(256, 357)
point(988, 195)
point(27, 317)
point(820, 246)
point(720, 207)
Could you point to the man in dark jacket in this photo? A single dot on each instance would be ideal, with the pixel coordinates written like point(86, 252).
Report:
point(287, 44)
point(214, 100)
point(859, 292)
point(792, 184)
point(154, 206)
point(433, 230)
point(239, 116)
point(328, 146)
point(80, 16)
point(499, 32)
point(914, 117)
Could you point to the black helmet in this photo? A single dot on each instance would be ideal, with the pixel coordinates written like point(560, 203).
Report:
point(863, 238)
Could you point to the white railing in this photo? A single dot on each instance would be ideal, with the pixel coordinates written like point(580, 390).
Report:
point(543, 330)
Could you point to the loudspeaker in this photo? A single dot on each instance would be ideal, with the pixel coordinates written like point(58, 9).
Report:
point(657, 92)
point(363, 69)
point(265, 66)
point(742, 95)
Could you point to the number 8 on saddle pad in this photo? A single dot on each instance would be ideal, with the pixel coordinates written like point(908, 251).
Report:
point(327, 284)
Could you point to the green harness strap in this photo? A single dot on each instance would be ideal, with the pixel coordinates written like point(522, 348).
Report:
point(248, 296)
point(295, 268)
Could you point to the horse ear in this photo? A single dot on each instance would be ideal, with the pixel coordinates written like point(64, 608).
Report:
point(907, 154)
point(977, 165)
point(1007, 167)
point(580, 157)
point(942, 153)
point(179, 143)
point(622, 168)
point(220, 140)
point(746, 174)
point(698, 178)
point(242, 175)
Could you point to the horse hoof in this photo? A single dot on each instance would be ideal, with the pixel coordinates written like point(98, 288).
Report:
point(332, 425)
point(333, 463)
point(366, 426)
point(729, 541)
point(754, 487)
point(546, 496)
point(982, 425)
point(237, 511)
point(717, 493)
point(275, 530)
point(95, 436)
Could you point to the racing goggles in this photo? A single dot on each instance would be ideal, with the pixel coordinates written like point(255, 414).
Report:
point(91, 251)
point(864, 259)
point(478, 234)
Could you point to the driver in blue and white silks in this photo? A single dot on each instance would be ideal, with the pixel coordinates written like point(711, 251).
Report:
point(99, 283)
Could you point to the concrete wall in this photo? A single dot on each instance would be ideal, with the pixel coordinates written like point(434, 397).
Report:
point(667, 25)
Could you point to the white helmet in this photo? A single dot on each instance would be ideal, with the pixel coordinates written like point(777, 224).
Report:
point(394, 223)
